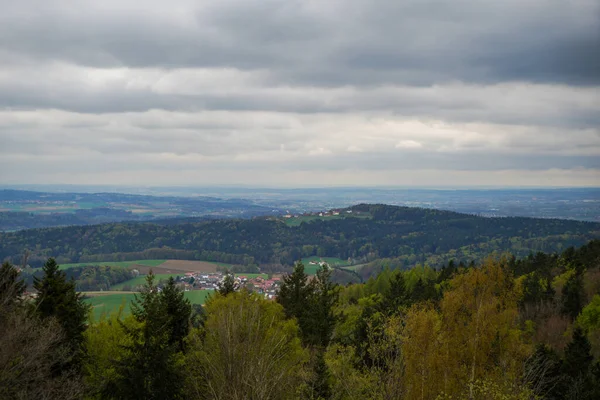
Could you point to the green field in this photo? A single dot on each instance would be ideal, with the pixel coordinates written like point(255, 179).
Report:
point(332, 261)
point(264, 276)
point(111, 303)
point(149, 263)
point(140, 280)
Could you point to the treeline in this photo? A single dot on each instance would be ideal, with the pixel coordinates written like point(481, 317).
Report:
point(505, 328)
point(410, 236)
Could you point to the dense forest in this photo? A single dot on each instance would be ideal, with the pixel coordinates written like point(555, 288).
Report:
point(504, 328)
point(411, 236)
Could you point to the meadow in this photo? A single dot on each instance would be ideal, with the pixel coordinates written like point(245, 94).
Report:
point(112, 302)
point(140, 280)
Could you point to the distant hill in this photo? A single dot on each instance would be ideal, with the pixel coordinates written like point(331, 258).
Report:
point(412, 235)
point(20, 209)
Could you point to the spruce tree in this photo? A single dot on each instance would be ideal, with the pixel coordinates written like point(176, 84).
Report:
point(397, 295)
point(179, 311)
point(295, 293)
point(321, 388)
point(320, 321)
point(578, 357)
point(56, 297)
point(572, 296)
point(149, 368)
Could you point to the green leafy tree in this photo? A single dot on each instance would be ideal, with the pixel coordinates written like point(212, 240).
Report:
point(57, 298)
point(247, 349)
point(11, 286)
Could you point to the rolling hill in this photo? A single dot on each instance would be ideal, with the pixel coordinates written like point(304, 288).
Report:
point(413, 235)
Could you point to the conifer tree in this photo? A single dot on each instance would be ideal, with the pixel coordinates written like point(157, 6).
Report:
point(572, 296)
point(56, 297)
point(396, 296)
point(578, 358)
point(295, 293)
point(179, 311)
point(322, 299)
point(150, 368)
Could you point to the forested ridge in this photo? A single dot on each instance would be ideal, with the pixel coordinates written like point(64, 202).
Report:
point(502, 329)
point(409, 235)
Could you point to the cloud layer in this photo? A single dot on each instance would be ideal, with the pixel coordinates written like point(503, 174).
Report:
point(298, 93)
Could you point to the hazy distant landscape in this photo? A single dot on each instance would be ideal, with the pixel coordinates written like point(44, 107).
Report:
point(20, 209)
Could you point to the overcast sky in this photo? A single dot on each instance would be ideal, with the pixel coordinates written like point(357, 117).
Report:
point(300, 92)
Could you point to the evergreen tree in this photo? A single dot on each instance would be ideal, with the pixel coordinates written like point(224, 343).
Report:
point(422, 291)
point(397, 295)
point(228, 285)
point(149, 368)
point(179, 311)
point(320, 385)
point(572, 296)
point(295, 293)
point(320, 319)
point(56, 297)
point(578, 357)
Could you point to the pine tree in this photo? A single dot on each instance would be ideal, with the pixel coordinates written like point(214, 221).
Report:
point(179, 311)
point(57, 298)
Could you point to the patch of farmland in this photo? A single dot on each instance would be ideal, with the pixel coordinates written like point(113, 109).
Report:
point(110, 302)
point(140, 280)
point(191, 266)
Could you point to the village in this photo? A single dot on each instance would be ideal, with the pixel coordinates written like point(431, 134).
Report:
point(260, 284)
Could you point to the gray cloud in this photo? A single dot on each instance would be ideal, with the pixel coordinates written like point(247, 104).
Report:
point(342, 42)
point(300, 91)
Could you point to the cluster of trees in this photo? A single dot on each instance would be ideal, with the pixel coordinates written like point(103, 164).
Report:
point(96, 277)
point(505, 328)
point(410, 236)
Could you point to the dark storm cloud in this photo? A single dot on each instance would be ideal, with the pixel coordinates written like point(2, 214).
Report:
point(322, 43)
